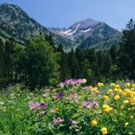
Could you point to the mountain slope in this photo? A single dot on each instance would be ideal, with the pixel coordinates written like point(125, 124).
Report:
point(101, 35)
point(15, 23)
point(90, 33)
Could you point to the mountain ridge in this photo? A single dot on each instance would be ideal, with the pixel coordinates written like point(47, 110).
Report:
point(88, 33)
point(16, 23)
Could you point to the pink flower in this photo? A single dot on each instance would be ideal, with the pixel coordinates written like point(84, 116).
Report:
point(73, 95)
point(58, 120)
point(52, 110)
point(33, 105)
point(90, 104)
point(55, 96)
point(85, 104)
point(86, 87)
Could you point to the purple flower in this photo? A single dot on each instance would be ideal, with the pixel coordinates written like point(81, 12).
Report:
point(81, 81)
point(74, 82)
point(95, 104)
point(33, 105)
point(60, 94)
point(58, 120)
point(42, 105)
point(90, 104)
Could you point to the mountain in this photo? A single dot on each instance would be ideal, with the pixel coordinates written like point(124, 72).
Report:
point(15, 23)
point(90, 33)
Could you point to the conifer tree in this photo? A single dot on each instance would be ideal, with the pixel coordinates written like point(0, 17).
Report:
point(2, 79)
point(8, 60)
point(127, 51)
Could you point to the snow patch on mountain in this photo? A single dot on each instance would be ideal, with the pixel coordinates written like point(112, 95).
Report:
point(87, 30)
point(65, 32)
point(69, 31)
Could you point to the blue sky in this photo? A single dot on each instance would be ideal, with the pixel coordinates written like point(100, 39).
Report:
point(63, 13)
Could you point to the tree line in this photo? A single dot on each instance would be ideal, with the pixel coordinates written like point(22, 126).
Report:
point(40, 63)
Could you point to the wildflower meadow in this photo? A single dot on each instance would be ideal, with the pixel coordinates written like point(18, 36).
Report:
point(73, 108)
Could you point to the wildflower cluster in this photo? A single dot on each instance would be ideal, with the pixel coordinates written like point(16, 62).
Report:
point(72, 82)
point(100, 110)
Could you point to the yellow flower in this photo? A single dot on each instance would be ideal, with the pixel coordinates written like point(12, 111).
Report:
point(107, 108)
point(112, 84)
point(105, 97)
point(104, 130)
point(133, 85)
point(94, 123)
point(116, 97)
point(132, 89)
point(117, 86)
point(116, 90)
point(126, 124)
point(120, 91)
point(131, 117)
point(95, 89)
point(127, 91)
point(125, 101)
point(100, 84)
point(127, 84)
point(110, 91)
point(121, 107)
point(124, 94)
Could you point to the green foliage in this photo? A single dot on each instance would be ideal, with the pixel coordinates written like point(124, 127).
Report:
point(6, 62)
point(127, 51)
point(37, 64)
point(1, 63)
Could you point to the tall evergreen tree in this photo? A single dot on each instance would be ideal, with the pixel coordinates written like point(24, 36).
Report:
point(2, 78)
point(74, 65)
point(8, 61)
point(127, 51)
